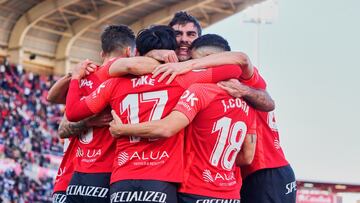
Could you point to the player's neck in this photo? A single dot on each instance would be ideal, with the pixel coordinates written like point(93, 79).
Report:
point(110, 56)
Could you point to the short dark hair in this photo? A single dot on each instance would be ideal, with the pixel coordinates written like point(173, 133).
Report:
point(182, 18)
point(212, 40)
point(156, 37)
point(116, 38)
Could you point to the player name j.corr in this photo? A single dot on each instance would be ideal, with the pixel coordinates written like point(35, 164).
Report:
point(235, 103)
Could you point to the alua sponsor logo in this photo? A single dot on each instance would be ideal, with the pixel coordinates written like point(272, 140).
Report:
point(209, 177)
point(79, 152)
point(138, 196)
point(90, 191)
point(90, 153)
point(123, 157)
point(277, 144)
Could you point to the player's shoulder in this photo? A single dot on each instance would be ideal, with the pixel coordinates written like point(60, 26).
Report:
point(207, 88)
point(256, 80)
point(115, 80)
point(98, 76)
point(204, 86)
point(103, 70)
point(194, 73)
point(108, 84)
point(130, 84)
point(88, 81)
point(111, 61)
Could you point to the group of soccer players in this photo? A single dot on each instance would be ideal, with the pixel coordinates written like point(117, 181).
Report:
point(186, 120)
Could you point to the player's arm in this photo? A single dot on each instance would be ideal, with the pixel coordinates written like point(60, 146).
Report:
point(139, 65)
point(211, 75)
point(247, 152)
point(235, 58)
point(257, 98)
point(253, 90)
point(228, 57)
point(78, 108)
point(167, 56)
point(57, 93)
point(68, 129)
point(164, 128)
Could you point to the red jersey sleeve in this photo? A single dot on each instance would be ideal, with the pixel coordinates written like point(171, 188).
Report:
point(210, 75)
point(76, 109)
point(194, 99)
point(256, 81)
point(100, 98)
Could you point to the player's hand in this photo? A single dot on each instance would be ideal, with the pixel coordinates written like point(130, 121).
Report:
point(100, 120)
point(234, 88)
point(79, 71)
point(91, 67)
point(115, 125)
point(167, 56)
point(170, 69)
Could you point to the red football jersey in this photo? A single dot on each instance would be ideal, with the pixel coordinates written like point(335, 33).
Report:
point(140, 99)
point(66, 167)
point(269, 153)
point(96, 147)
point(213, 139)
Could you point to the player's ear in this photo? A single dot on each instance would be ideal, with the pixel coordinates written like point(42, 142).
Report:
point(137, 53)
point(128, 52)
point(102, 54)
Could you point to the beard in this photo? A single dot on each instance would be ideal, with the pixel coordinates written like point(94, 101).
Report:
point(183, 57)
point(183, 52)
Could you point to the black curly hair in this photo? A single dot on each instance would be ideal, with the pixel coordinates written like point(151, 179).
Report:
point(155, 37)
point(182, 18)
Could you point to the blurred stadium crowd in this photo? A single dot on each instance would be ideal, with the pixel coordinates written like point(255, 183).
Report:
point(30, 151)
